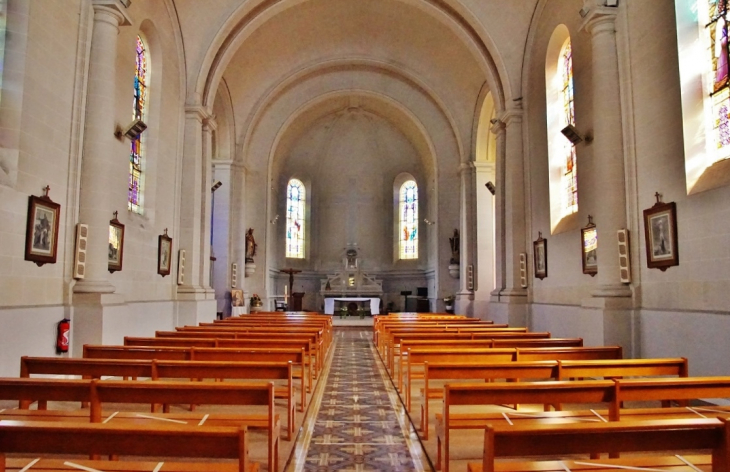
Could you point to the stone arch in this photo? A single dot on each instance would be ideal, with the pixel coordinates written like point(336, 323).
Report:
point(252, 14)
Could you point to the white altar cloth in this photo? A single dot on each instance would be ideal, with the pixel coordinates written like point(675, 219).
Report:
point(329, 304)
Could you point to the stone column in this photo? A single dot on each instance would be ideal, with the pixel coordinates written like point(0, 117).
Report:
point(95, 200)
point(467, 236)
point(484, 268)
point(499, 264)
point(512, 190)
point(222, 232)
point(195, 208)
point(611, 298)
point(607, 146)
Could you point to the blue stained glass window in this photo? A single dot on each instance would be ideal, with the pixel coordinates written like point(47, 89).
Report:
point(139, 109)
point(408, 231)
point(295, 211)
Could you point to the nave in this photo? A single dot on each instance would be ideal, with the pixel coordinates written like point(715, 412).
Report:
point(360, 422)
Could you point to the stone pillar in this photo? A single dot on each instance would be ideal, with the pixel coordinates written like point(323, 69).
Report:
point(467, 236)
point(94, 300)
point(512, 212)
point(610, 297)
point(499, 264)
point(484, 267)
point(195, 204)
point(222, 231)
point(195, 208)
point(96, 203)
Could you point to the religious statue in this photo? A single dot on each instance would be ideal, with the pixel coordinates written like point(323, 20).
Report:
point(250, 245)
point(454, 247)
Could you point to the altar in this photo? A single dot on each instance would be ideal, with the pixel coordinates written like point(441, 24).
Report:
point(351, 285)
point(329, 304)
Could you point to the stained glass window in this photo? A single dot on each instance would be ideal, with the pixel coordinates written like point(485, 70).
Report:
point(134, 200)
point(3, 20)
point(570, 181)
point(716, 31)
point(295, 206)
point(408, 220)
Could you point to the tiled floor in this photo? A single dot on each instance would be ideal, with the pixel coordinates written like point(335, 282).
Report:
point(360, 424)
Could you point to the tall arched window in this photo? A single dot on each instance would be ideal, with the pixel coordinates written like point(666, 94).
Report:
point(139, 111)
point(296, 196)
point(560, 109)
point(408, 228)
point(702, 44)
point(716, 39)
point(570, 181)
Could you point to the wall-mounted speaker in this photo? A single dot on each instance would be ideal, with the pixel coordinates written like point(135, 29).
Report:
point(624, 256)
point(523, 269)
point(470, 277)
point(82, 235)
point(234, 274)
point(181, 266)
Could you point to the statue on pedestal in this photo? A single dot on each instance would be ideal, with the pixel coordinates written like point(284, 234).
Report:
point(250, 245)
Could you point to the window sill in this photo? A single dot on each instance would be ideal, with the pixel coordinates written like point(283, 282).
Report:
point(715, 176)
point(567, 223)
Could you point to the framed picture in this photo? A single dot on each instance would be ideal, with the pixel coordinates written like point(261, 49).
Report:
point(164, 254)
point(236, 297)
point(41, 235)
point(589, 248)
point(540, 254)
point(660, 231)
point(116, 244)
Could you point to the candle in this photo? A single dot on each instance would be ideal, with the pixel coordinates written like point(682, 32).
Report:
point(286, 291)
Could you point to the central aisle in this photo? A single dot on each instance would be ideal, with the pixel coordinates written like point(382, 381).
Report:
point(358, 422)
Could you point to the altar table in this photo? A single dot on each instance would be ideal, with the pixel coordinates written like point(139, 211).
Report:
point(329, 304)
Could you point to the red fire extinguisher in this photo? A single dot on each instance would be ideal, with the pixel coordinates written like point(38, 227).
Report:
point(64, 326)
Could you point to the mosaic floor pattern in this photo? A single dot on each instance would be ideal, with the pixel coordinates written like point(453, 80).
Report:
point(360, 424)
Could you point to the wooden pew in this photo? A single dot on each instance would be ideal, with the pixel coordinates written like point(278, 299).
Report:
point(313, 354)
point(547, 393)
point(485, 371)
point(389, 342)
point(157, 370)
point(642, 436)
point(481, 340)
point(296, 356)
point(568, 353)
point(239, 371)
point(199, 393)
point(419, 356)
point(438, 355)
point(126, 439)
point(548, 370)
point(97, 393)
point(394, 348)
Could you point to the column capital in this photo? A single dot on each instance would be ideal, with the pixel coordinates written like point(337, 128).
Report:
point(466, 168)
point(483, 166)
point(512, 116)
point(599, 19)
point(111, 8)
point(210, 123)
point(197, 112)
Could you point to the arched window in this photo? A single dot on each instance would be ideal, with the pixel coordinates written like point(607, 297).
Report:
point(408, 228)
point(296, 197)
point(702, 44)
point(570, 181)
point(715, 26)
point(139, 111)
point(560, 109)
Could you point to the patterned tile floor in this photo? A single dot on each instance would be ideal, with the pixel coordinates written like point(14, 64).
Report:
point(359, 423)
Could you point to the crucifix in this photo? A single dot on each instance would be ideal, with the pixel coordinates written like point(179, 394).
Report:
point(291, 273)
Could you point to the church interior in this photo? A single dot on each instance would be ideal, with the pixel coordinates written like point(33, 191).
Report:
point(548, 164)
